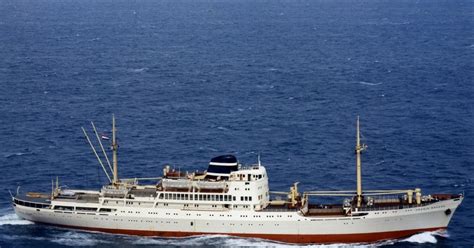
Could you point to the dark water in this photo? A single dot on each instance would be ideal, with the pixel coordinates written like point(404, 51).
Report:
point(189, 80)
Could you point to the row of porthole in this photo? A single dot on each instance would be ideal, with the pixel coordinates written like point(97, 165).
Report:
point(242, 216)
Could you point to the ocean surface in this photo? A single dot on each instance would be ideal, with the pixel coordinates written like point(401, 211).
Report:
point(192, 79)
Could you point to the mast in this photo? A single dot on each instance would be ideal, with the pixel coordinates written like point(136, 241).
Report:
point(358, 149)
point(114, 149)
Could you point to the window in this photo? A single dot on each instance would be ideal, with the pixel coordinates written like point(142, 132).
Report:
point(58, 207)
point(85, 209)
point(107, 210)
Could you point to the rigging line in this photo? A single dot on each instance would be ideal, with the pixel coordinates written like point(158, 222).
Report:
point(102, 147)
point(97, 155)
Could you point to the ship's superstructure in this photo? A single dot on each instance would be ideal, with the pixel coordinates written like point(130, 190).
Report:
point(229, 198)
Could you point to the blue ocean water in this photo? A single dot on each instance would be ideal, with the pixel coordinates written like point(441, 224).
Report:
point(193, 79)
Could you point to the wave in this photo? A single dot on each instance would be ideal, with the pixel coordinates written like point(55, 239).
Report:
point(9, 237)
point(138, 70)
point(13, 219)
point(231, 241)
point(9, 155)
point(74, 238)
point(388, 23)
point(367, 83)
point(77, 239)
point(426, 237)
point(71, 238)
point(209, 240)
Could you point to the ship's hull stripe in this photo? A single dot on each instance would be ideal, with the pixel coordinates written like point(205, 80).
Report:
point(289, 238)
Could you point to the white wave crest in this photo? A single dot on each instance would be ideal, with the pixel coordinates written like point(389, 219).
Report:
point(16, 154)
point(426, 237)
point(367, 83)
point(138, 70)
point(13, 219)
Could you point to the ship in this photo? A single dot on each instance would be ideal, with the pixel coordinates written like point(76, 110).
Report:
point(229, 198)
